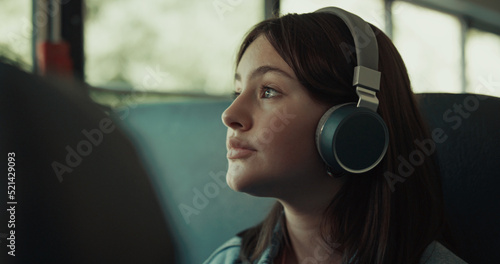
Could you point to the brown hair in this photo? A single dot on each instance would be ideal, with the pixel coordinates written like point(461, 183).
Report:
point(372, 218)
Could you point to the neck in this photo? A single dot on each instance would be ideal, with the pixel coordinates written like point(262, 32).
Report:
point(306, 243)
point(303, 226)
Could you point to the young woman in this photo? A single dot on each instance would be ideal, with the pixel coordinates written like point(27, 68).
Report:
point(290, 71)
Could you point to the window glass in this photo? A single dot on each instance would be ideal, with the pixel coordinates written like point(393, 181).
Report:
point(370, 10)
point(16, 32)
point(483, 62)
point(429, 42)
point(166, 45)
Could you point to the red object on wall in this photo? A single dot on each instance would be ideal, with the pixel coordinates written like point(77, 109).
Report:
point(54, 58)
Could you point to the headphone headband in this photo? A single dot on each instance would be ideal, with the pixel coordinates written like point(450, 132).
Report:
point(366, 74)
point(364, 38)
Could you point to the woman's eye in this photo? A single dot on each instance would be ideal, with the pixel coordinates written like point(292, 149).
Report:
point(269, 92)
point(236, 94)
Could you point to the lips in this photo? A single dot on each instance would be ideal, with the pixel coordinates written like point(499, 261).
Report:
point(238, 149)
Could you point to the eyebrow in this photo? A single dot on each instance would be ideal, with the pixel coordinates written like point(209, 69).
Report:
point(263, 70)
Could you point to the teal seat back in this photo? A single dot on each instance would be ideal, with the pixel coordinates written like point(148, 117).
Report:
point(182, 146)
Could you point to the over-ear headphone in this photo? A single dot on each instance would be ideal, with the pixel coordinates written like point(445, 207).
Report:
point(353, 137)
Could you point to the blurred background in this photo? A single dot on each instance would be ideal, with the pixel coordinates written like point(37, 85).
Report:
point(132, 54)
point(173, 47)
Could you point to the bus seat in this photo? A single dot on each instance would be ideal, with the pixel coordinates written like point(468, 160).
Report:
point(469, 160)
point(77, 191)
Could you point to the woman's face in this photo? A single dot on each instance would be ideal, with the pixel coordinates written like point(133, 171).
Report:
point(271, 128)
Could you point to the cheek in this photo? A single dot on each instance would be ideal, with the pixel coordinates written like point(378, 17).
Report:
point(295, 145)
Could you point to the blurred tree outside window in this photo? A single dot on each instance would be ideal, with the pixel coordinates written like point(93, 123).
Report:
point(371, 11)
point(16, 32)
point(190, 46)
point(430, 44)
point(166, 45)
point(482, 60)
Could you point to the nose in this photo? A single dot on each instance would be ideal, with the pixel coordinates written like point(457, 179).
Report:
point(238, 115)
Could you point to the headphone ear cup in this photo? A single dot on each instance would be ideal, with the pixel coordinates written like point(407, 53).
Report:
point(352, 139)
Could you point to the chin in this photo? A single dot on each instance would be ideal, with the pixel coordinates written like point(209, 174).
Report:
point(241, 182)
point(250, 182)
